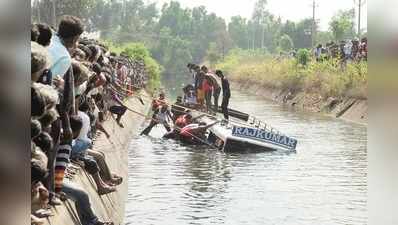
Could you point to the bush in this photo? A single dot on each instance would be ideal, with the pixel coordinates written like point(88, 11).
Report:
point(325, 78)
point(303, 56)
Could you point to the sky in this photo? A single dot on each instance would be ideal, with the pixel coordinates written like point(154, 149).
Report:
point(293, 10)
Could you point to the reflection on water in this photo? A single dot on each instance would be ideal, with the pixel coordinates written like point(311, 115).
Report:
point(324, 182)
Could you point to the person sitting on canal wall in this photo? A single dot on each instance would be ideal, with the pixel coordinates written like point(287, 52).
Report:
point(54, 109)
point(116, 106)
point(160, 116)
point(80, 146)
point(226, 93)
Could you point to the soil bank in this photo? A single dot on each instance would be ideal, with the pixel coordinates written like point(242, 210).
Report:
point(348, 108)
point(107, 207)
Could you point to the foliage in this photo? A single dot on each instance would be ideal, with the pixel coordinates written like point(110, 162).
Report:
point(286, 43)
point(326, 78)
point(342, 25)
point(138, 51)
point(303, 56)
point(212, 54)
point(176, 35)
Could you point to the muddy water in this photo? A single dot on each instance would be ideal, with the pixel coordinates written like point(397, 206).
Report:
point(323, 182)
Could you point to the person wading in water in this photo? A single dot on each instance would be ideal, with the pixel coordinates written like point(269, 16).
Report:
point(161, 115)
point(226, 93)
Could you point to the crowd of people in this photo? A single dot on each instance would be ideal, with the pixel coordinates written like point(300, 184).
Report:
point(202, 95)
point(76, 85)
point(351, 50)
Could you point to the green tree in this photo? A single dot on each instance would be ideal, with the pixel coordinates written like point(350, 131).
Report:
point(212, 54)
point(286, 43)
point(342, 25)
point(238, 32)
point(323, 37)
point(302, 37)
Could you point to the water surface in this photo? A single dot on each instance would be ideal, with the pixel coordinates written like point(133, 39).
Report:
point(322, 183)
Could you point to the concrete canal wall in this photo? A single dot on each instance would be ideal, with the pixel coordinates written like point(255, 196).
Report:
point(107, 207)
point(352, 109)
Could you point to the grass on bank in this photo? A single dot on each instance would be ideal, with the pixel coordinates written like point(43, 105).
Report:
point(140, 52)
point(326, 78)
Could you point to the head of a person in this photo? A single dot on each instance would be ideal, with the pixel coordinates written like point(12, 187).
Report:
point(76, 125)
point(79, 54)
point(35, 128)
point(319, 46)
point(162, 96)
point(80, 73)
point(48, 94)
point(44, 141)
point(205, 69)
point(95, 53)
point(179, 99)
point(69, 30)
point(45, 34)
point(188, 116)
point(163, 108)
point(87, 51)
point(40, 61)
point(119, 65)
point(84, 106)
point(38, 172)
point(96, 68)
point(38, 104)
point(34, 33)
point(219, 73)
point(48, 118)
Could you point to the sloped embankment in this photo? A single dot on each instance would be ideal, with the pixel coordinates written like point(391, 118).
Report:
point(352, 109)
point(107, 207)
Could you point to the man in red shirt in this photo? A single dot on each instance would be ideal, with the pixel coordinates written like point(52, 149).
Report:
point(207, 87)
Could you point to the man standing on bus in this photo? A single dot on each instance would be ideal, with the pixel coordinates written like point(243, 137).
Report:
point(226, 93)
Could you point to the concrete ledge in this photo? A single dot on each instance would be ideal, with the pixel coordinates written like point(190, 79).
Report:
point(347, 108)
point(107, 207)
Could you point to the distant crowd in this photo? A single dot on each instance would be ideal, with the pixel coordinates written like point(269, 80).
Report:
point(345, 51)
point(76, 85)
point(351, 50)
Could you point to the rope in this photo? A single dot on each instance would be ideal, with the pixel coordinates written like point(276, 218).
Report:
point(215, 117)
point(179, 129)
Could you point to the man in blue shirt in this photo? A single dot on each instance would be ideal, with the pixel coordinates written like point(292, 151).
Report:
point(63, 43)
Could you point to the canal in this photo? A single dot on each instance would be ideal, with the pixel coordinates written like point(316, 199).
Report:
point(323, 182)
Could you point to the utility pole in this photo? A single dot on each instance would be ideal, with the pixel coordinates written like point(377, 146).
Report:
point(263, 30)
point(313, 31)
point(359, 4)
